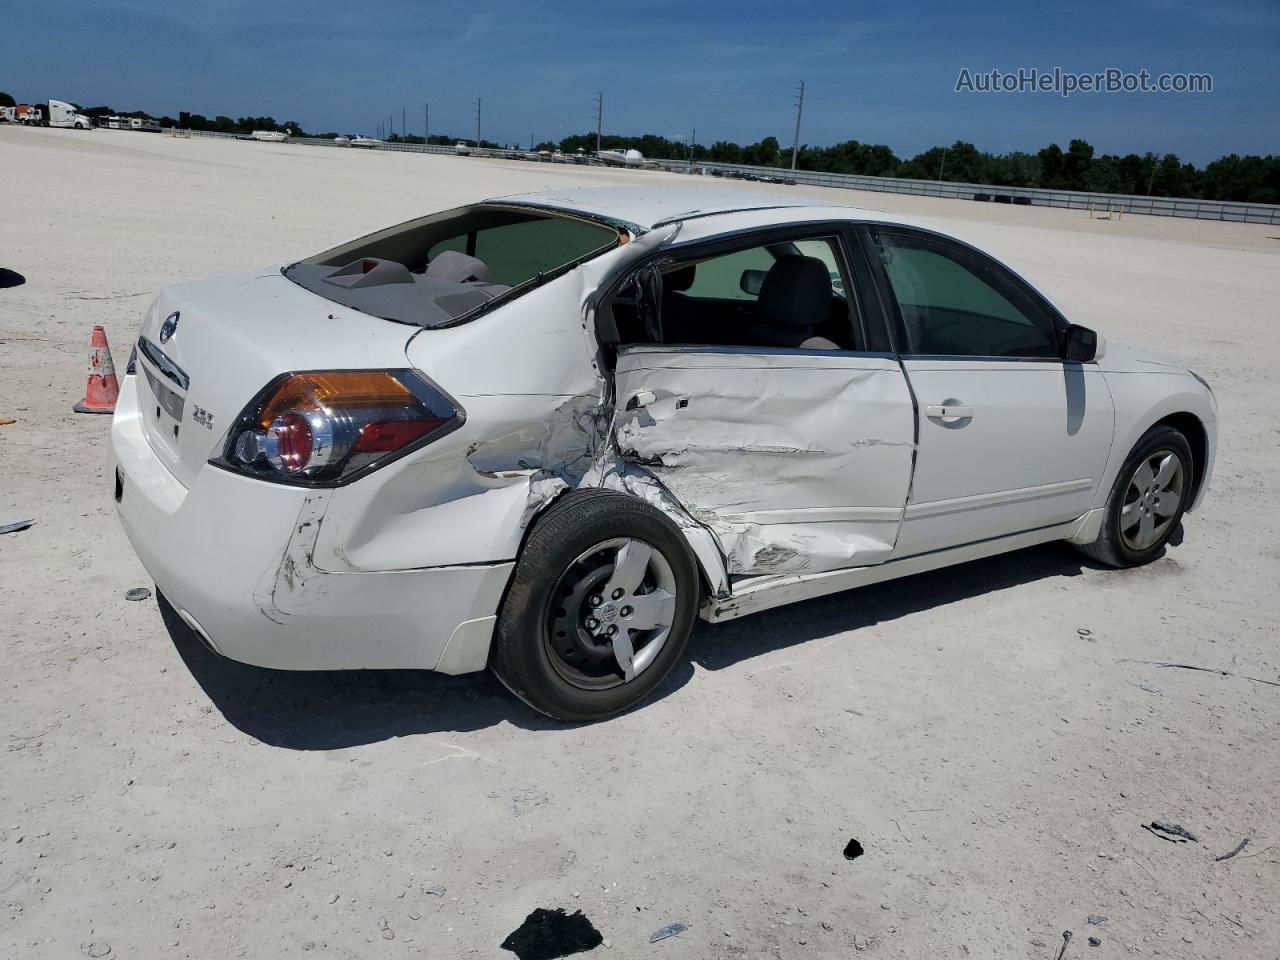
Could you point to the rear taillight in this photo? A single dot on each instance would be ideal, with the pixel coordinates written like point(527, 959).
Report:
point(327, 427)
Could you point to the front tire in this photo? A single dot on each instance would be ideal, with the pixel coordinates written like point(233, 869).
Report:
point(599, 609)
point(1151, 493)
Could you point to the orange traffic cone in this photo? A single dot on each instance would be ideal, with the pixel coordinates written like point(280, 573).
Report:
point(103, 389)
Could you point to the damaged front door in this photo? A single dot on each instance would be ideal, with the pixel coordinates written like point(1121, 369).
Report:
point(798, 460)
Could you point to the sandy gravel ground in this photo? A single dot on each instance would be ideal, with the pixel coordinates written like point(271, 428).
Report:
point(996, 762)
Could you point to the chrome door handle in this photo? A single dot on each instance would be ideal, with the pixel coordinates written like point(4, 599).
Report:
point(641, 399)
point(948, 411)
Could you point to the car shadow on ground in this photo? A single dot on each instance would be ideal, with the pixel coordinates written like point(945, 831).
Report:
point(330, 710)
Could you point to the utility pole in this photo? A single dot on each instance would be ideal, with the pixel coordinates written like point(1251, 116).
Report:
point(693, 138)
point(943, 165)
point(426, 122)
point(1151, 179)
point(404, 129)
point(795, 146)
point(477, 123)
point(599, 118)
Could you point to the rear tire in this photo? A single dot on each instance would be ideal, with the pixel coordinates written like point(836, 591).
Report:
point(593, 563)
point(1150, 495)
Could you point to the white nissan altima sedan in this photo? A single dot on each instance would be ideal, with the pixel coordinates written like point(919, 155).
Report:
point(545, 433)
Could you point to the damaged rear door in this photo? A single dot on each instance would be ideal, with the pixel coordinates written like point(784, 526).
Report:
point(798, 460)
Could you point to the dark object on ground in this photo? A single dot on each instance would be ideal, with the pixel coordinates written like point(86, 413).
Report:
point(670, 930)
point(982, 197)
point(1096, 919)
point(11, 278)
point(853, 850)
point(1003, 198)
point(1066, 939)
point(1238, 847)
point(1095, 941)
point(137, 593)
point(15, 527)
point(547, 934)
point(1173, 832)
point(1189, 666)
point(1022, 201)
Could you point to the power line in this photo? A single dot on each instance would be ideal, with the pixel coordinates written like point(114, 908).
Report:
point(795, 146)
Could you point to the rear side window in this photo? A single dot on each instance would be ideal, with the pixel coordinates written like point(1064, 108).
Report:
point(955, 302)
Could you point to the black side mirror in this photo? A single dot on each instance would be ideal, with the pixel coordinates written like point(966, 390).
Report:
point(751, 281)
point(1081, 344)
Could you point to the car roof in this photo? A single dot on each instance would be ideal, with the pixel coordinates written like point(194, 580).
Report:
point(643, 207)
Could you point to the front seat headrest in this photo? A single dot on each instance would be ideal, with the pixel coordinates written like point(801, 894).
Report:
point(680, 279)
point(454, 267)
point(796, 292)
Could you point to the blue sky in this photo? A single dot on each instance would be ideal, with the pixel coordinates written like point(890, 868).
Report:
point(881, 73)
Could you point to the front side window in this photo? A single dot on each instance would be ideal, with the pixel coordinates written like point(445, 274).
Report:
point(954, 302)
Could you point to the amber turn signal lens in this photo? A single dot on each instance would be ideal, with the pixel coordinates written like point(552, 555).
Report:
point(342, 388)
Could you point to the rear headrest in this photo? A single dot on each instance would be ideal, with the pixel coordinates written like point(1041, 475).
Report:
point(796, 292)
point(679, 280)
point(454, 267)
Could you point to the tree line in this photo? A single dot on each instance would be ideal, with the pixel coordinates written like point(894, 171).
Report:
point(1250, 179)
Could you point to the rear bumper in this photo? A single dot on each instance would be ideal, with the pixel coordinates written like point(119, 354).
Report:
point(233, 557)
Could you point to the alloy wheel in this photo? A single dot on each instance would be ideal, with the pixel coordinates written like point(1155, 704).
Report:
point(1152, 499)
point(610, 613)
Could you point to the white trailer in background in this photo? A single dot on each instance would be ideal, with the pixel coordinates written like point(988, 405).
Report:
point(8, 114)
point(63, 114)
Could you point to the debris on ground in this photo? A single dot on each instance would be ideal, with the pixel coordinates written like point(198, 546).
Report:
point(1085, 634)
point(15, 527)
point(1173, 832)
point(1236, 849)
point(137, 593)
point(1096, 919)
point(1066, 939)
point(670, 930)
point(1191, 666)
point(547, 934)
point(97, 948)
point(5, 421)
point(853, 850)
point(1095, 941)
point(385, 927)
point(438, 890)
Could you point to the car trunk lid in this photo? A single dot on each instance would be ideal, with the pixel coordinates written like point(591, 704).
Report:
point(207, 348)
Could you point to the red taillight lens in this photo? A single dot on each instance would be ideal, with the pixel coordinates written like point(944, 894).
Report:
point(290, 437)
point(325, 427)
point(392, 435)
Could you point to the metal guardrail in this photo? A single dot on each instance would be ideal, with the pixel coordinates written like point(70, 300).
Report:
point(1032, 196)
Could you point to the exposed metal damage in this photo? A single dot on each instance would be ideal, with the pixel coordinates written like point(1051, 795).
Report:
point(283, 587)
point(772, 452)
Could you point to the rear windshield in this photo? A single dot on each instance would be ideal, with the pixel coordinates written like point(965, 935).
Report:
point(447, 267)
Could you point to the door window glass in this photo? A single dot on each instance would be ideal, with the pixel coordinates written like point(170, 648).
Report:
point(783, 294)
point(955, 302)
point(720, 278)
